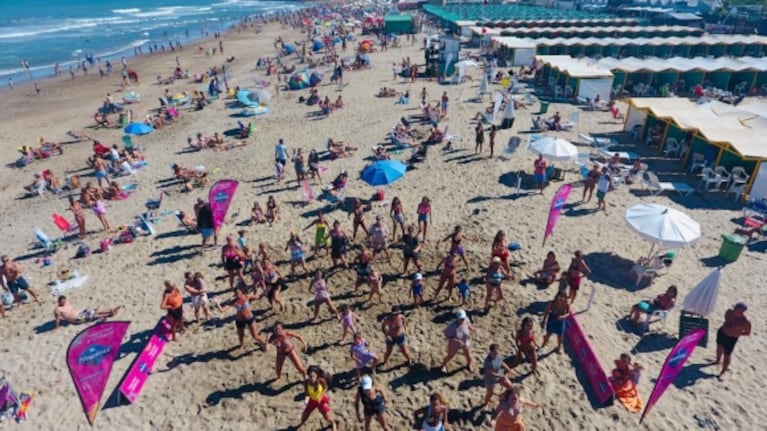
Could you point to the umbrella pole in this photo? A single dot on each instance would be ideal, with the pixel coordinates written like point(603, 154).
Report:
point(652, 247)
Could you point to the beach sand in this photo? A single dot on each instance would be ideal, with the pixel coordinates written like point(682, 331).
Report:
point(200, 383)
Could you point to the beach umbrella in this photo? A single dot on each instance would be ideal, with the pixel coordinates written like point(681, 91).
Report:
point(315, 78)
point(384, 172)
point(246, 98)
point(138, 129)
point(552, 148)
point(298, 81)
point(663, 226)
point(702, 298)
point(263, 96)
point(290, 49)
point(317, 45)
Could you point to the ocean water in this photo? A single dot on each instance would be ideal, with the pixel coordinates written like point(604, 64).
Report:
point(44, 32)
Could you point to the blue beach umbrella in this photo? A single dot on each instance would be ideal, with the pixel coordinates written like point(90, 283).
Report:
point(138, 129)
point(290, 49)
point(315, 78)
point(298, 81)
point(384, 172)
point(317, 45)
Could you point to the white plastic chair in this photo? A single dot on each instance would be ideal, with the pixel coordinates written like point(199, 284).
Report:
point(724, 176)
point(568, 91)
point(558, 92)
point(739, 176)
point(646, 269)
point(575, 118)
point(698, 161)
point(672, 147)
point(737, 189)
point(662, 316)
point(708, 177)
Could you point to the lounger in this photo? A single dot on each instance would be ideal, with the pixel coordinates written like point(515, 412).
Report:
point(623, 155)
point(650, 180)
point(598, 142)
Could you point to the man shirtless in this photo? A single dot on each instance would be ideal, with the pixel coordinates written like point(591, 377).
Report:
point(394, 327)
point(12, 280)
point(66, 312)
point(735, 324)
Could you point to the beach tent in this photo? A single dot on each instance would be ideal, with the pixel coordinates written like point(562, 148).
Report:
point(315, 78)
point(289, 48)
point(298, 80)
point(317, 45)
point(246, 98)
point(399, 24)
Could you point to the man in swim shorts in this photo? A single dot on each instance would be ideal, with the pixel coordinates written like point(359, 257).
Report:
point(13, 280)
point(394, 328)
point(735, 324)
point(66, 312)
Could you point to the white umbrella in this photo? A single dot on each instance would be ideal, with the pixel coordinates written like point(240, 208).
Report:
point(665, 227)
point(702, 299)
point(552, 148)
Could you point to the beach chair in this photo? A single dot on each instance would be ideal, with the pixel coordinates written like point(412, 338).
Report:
point(698, 161)
point(334, 200)
point(190, 228)
point(644, 268)
point(659, 316)
point(575, 118)
point(708, 177)
point(650, 180)
point(724, 176)
point(672, 148)
point(45, 242)
point(598, 142)
point(152, 205)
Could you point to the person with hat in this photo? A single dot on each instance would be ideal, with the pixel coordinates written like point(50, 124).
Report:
point(394, 327)
point(373, 403)
point(416, 289)
point(458, 334)
point(735, 324)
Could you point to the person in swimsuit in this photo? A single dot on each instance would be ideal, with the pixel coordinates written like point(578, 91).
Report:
point(364, 264)
point(316, 389)
point(539, 172)
point(12, 280)
point(479, 137)
point(416, 289)
point(281, 338)
point(362, 356)
point(322, 240)
point(447, 276)
point(664, 301)
point(338, 244)
point(554, 319)
point(526, 344)
point(575, 273)
point(411, 249)
point(77, 210)
point(397, 214)
point(274, 284)
point(458, 334)
point(500, 249)
point(272, 210)
point(297, 253)
point(378, 235)
point(174, 303)
point(494, 277)
point(434, 416)
point(299, 164)
point(100, 210)
point(195, 287)
point(456, 237)
point(66, 312)
point(735, 324)
point(591, 182)
point(244, 318)
point(494, 373)
point(508, 414)
point(358, 212)
point(373, 402)
point(257, 214)
point(548, 273)
point(394, 327)
point(375, 281)
point(625, 371)
point(424, 214)
point(100, 169)
point(319, 286)
point(231, 260)
point(347, 320)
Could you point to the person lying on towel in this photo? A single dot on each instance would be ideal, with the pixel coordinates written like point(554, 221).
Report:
point(66, 312)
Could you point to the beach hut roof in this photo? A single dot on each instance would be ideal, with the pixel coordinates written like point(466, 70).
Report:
point(574, 67)
point(741, 127)
point(710, 39)
point(681, 64)
point(526, 31)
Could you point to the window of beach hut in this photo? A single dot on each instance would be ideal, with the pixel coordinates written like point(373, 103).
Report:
point(743, 79)
point(681, 51)
point(699, 50)
point(719, 78)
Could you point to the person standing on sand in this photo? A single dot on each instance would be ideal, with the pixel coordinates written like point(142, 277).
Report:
point(173, 302)
point(286, 350)
point(195, 287)
point(591, 182)
point(458, 334)
point(507, 416)
point(37, 88)
point(205, 224)
point(244, 318)
point(479, 137)
point(10, 83)
point(373, 404)
point(394, 327)
point(77, 210)
point(575, 273)
point(735, 324)
point(424, 214)
point(494, 373)
point(539, 172)
point(603, 186)
point(316, 389)
point(491, 135)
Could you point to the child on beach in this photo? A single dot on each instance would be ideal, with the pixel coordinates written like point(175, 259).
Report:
point(347, 321)
point(416, 289)
point(362, 355)
point(241, 240)
point(463, 291)
point(257, 214)
point(279, 169)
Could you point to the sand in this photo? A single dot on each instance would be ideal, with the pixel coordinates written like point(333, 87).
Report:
point(201, 383)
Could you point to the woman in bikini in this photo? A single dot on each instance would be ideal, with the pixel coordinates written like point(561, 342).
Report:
point(173, 302)
point(274, 283)
point(316, 388)
point(373, 402)
point(509, 410)
point(500, 249)
point(397, 214)
point(424, 214)
point(338, 244)
point(281, 338)
point(526, 344)
point(319, 286)
point(554, 319)
point(358, 212)
point(321, 233)
point(447, 277)
point(364, 264)
point(548, 273)
point(591, 182)
point(456, 237)
point(433, 417)
point(77, 210)
point(231, 260)
point(575, 273)
point(494, 277)
point(297, 253)
point(257, 214)
point(272, 210)
point(244, 318)
point(411, 249)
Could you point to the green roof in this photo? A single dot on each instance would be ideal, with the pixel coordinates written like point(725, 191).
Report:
point(398, 18)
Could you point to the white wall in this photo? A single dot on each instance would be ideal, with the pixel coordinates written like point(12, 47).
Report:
point(590, 87)
point(759, 188)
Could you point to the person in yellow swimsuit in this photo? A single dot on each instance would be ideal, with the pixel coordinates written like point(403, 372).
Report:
point(316, 387)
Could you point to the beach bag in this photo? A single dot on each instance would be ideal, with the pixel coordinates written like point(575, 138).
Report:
point(83, 250)
point(125, 236)
point(105, 245)
point(378, 195)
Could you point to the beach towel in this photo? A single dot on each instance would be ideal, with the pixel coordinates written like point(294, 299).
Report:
point(75, 281)
point(628, 396)
point(307, 193)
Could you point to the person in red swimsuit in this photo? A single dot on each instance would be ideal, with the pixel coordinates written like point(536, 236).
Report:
point(286, 350)
point(526, 344)
point(575, 273)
